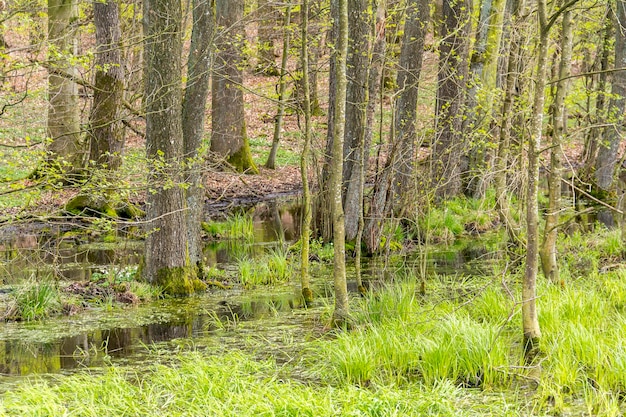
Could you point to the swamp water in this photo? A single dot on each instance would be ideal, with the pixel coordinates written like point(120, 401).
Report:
point(267, 321)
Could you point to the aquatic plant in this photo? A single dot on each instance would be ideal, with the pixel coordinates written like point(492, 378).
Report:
point(34, 300)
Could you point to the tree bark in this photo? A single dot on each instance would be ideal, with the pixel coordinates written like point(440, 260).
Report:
point(282, 92)
point(340, 315)
point(305, 234)
point(516, 26)
point(559, 123)
point(530, 321)
point(66, 151)
point(411, 57)
point(229, 139)
point(106, 130)
point(193, 119)
point(167, 250)
point(355, 158)
point(453, 69)
point(607, 153)
point(265, 39)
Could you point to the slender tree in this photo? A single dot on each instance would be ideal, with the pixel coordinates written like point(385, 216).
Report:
point(559, 125)
point(340, 315)
point(409, 69)
point(449, 143)
point(193, 119)
point(516, 19)
point(282, 92)
point(355, 158)
point(305, 237)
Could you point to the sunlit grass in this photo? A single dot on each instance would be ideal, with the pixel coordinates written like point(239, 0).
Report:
point(34, 300)
point(195, 384)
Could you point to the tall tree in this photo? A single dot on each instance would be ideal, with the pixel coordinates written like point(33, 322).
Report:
point(395, 178)
point(516, 27)
point(530, 320)
point(305, 235)
point(449, 142)
point(354, 146)
point(371, 227)
point(106, 131)
point(409, 69)
point(193, 118)
point(480, 94)
point(607, 153)
point(229, 139)
point(559, 125)
point(166, 260)
point(266, 35)
point(66, 151)
point(340, 315)
point(282, 91)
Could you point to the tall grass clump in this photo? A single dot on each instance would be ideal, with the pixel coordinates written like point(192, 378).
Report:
point(238, 227)
point(34, 300)
point(403, 337)
point(584, 332)
point(271, 269)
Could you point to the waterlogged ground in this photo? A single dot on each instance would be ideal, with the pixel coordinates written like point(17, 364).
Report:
point(259, 351)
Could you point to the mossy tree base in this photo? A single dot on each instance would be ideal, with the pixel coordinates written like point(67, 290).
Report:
point(179, 281)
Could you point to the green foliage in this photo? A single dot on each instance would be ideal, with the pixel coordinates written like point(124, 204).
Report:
point(271, 269)
point(456, 217)
point(35, 300)
point(402, 343)
point(238, 226)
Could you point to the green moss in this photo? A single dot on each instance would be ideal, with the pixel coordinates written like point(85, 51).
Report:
point(180, 281)
point(242, 159)
point(87, 204)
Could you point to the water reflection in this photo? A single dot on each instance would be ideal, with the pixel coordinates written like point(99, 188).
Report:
point(96, 347)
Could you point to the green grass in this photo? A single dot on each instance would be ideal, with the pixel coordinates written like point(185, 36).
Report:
point(237, 227)
point(234, 384)
point(270, 269)
point(34, 300)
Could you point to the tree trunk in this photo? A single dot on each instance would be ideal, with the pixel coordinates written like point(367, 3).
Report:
point(106, 131)
point(229, 139)
point(305, 234)
point(66, 151)
point(340, 315)
point(598, 82)
point(530, 321)
point(453, 68)
point(607, 153)
point(480, 95)
point(265, 39)
point(323, 205)
point(166, 260)
point(411, 56)
point(516, 27)
point(548, 249)
point(355, 160)
point(372, 227)
point(282, 92)
point(193, 119)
